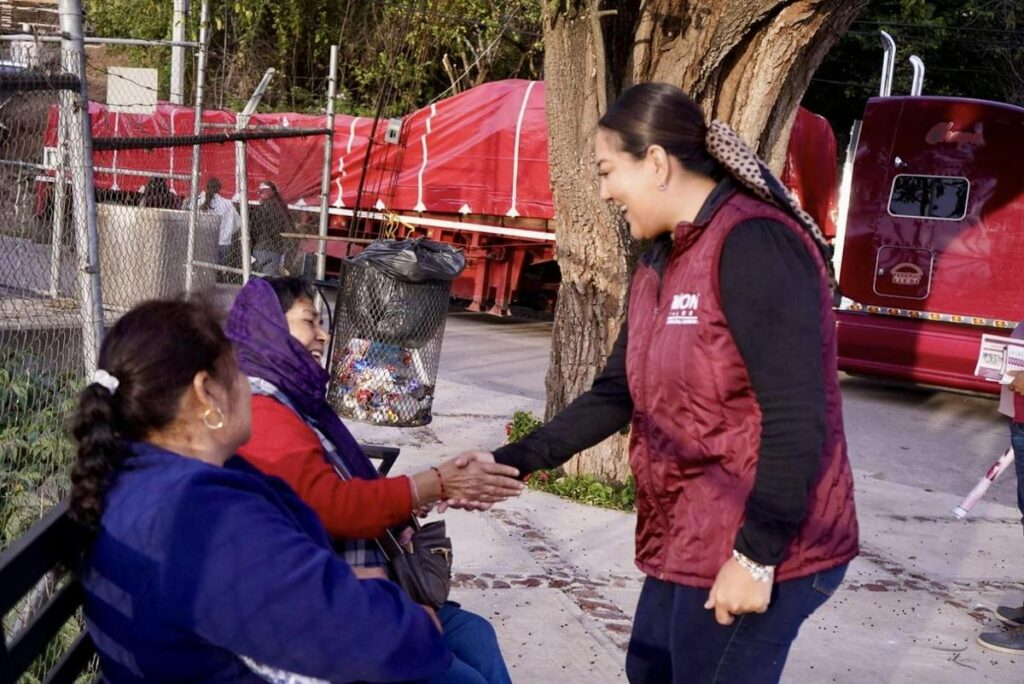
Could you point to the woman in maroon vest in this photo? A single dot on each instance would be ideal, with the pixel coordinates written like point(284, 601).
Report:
point(726, 375)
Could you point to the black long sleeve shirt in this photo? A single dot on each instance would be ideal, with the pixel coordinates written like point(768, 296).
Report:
point(770, 293)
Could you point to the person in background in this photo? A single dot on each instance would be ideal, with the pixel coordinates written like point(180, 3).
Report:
point(200, 568)
point(230, 222)
point(298, 437)
point(270, 218)
point(1011, 405)
point(726, 374)
point(157, 195)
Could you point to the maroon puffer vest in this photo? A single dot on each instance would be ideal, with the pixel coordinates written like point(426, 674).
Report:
point(697, 426)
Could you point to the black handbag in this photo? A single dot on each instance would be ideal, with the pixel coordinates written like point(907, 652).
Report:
point(425, 572)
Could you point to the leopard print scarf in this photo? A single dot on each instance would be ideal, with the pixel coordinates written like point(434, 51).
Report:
point(736, 157)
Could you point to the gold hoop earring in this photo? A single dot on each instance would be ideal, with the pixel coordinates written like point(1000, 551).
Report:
point(220, 419)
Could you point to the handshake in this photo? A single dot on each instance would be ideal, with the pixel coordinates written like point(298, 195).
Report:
point(470, 481)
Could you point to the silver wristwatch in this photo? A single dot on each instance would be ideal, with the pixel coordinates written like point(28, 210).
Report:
point(761, 573)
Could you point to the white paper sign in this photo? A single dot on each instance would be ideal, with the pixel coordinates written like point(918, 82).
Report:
point(998, 356)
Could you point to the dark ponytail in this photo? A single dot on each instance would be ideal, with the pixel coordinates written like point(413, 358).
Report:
point(154, 352)
point(213, 187)
point(100, 453)
point(662, 114)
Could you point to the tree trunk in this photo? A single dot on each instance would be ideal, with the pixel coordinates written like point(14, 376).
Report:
point(747, 63)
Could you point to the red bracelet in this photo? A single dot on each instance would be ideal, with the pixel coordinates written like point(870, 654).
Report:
point(440, 481)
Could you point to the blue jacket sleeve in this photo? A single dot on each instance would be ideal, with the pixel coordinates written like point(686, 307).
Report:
point(244, 575)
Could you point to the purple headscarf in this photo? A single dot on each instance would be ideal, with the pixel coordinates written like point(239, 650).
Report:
point(267, 350)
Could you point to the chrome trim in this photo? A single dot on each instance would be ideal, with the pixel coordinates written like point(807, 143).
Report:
point(917, 85)
point(896, 312)
point(888, 64)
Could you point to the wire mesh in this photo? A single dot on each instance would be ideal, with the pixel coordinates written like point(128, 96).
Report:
point(55, 299)
point(388, 347)
point(45, 325)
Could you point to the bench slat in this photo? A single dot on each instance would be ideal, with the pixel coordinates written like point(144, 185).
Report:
point(54, 539)
point(74, 662)
point(32, 642)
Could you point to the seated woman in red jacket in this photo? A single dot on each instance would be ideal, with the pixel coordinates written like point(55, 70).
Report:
point(297, 436)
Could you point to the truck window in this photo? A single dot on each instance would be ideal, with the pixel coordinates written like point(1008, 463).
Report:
point(936, 197)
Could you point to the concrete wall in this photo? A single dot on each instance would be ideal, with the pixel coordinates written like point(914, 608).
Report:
point(142, 253)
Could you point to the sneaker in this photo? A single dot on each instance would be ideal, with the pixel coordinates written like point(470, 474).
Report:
point(1011, 616)
point(1010, 641)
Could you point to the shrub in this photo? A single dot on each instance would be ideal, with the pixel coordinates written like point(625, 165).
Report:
point(582, 488)
point(35, 452)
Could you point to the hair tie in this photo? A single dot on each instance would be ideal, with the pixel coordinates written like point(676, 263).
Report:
point(106, 380)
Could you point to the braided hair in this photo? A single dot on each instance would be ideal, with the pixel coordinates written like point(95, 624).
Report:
point(149, 359)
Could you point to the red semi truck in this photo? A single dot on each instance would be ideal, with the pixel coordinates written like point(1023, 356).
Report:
point(929, 250)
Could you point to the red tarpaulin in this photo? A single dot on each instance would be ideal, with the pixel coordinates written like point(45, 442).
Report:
point(484, 152)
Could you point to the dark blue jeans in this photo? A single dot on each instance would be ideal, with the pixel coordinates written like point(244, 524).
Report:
point(675, 639)
point(1017, 442)
point(472, 641)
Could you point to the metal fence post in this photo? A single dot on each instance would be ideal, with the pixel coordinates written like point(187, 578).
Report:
point(193, 202)
point(178, 52)
point(66, 99)
point(82, 187)
point(325, 181)
point(242, 171)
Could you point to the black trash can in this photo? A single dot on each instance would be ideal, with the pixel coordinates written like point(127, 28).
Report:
point(388, 331)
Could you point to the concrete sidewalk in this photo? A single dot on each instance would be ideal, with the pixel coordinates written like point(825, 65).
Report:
point(557, 578)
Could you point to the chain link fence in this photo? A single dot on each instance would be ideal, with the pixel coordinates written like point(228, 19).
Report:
point(77, 252)
point(47, 313)
point(51, 312)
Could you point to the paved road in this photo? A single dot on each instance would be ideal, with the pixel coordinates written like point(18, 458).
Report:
point(939, 441)
point(557, 578)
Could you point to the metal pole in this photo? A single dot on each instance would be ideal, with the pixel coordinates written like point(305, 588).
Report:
point(325, 181)
point(193, 206)
point(918, 83)
point(178, 52)
point(82, 188)
point(98, 40)
point(888, 64)
point(242, 171)
point(66, 100)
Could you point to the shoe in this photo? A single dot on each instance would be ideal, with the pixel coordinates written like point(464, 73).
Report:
point(1010, 641)
point(1011, 616)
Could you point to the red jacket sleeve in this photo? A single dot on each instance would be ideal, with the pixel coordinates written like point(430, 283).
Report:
point(283, 445)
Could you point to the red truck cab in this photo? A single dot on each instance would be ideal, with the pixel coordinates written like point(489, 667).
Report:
point(930, 255)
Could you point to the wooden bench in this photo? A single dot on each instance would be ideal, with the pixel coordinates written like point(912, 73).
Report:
point(55, 543)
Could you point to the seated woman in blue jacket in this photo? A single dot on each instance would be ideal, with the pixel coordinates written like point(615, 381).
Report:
point(203, 570)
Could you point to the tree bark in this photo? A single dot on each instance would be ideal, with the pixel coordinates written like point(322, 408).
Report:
point(747, 63)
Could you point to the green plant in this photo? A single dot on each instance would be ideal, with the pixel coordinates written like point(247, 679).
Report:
point(35, 453)
point(35, 457)
point(523, 423)
point(583, 488)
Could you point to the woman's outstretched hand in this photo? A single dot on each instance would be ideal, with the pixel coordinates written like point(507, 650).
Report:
point(736, 592)
point(473, 481)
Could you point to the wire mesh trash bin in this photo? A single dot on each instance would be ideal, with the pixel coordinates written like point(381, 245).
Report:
point(388, 331)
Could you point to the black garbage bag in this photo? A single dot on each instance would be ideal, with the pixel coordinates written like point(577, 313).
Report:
point(413, 261)
point(384, 309)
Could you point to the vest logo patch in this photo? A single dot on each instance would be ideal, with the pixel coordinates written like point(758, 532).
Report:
point(683, 310)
